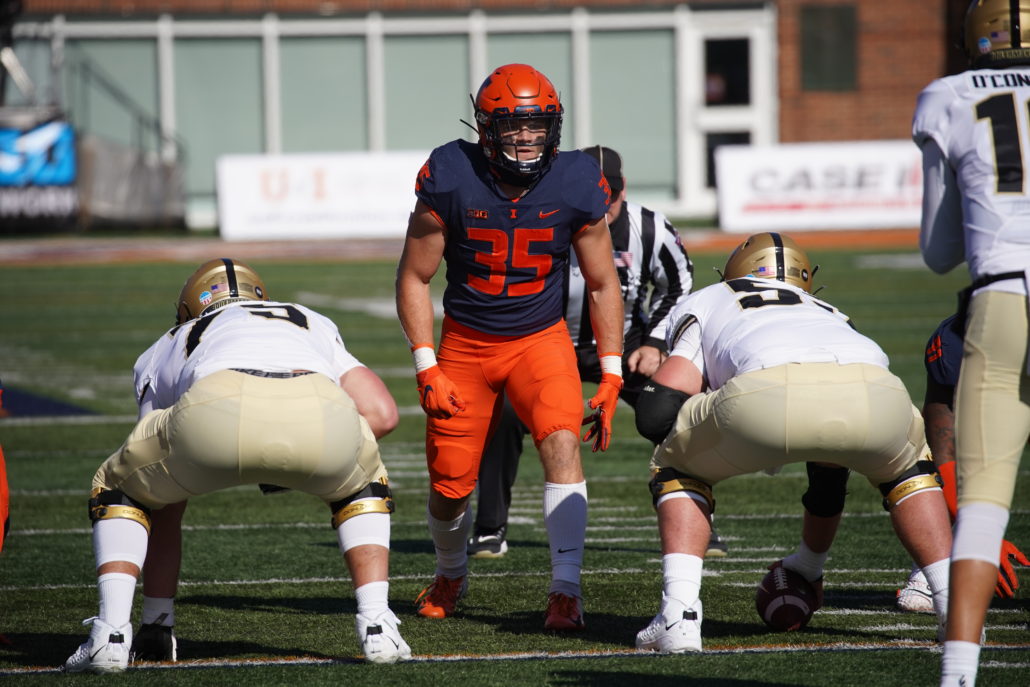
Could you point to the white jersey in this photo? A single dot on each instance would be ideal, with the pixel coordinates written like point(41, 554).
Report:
point(748, 324)
point(980, 121)
point(253, 335)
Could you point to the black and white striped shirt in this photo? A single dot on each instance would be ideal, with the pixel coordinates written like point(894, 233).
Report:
point(655, 272)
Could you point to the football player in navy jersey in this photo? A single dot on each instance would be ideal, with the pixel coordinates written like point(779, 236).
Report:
point(504, 213)
point(943, 359)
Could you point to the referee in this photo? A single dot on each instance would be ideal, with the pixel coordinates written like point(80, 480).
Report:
point(656, 273)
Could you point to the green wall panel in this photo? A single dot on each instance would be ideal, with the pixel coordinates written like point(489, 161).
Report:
point(218, 103)
point(324, 103)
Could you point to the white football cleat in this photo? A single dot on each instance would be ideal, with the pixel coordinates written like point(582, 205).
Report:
point(381, 641)
point(106, 650)
point(675, 630)
point(915, 596)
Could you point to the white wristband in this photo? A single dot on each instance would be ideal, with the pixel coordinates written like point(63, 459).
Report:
point(611, 365)
point(424, 357)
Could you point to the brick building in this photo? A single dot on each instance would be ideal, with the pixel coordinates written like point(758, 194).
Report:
point(669, 81)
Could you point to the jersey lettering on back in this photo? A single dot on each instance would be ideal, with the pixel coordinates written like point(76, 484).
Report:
point(980, 119)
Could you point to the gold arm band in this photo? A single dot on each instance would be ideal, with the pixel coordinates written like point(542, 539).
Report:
point(108, 512)
point(360, 508)
point(911, 486)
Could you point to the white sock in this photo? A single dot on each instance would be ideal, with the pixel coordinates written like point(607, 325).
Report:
point(806, 562)
point(937, 575)
point(959, 664)
point(979, 530)
point(565, 518)
point(158, 611)
point(373, 598)
point(119, 539)
point(681, 577)
point(367, 528)
point(116, 591)
point(449, 538)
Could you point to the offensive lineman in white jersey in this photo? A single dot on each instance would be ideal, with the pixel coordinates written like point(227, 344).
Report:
point(244, 390)
point(760, 374)
point(973, 130)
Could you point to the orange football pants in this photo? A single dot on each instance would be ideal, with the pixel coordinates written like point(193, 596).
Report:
point(537, 373)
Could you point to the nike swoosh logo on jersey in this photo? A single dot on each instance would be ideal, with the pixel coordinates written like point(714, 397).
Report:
point(548, 214)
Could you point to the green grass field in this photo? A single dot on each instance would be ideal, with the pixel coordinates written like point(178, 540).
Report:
point(265, 598)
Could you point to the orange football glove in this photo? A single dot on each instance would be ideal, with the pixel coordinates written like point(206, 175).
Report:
point(437, 395)
point(1008, 581)
point(604, 402)
point(950, 486)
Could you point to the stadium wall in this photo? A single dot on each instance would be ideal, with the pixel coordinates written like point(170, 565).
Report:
point(666, 83)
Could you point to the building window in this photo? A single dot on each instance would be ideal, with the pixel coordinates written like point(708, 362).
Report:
point(713, 141)
point(727, 78)
point(828, 47)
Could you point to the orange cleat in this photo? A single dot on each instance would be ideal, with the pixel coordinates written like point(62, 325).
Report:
point(440, 599)
point(564, 613)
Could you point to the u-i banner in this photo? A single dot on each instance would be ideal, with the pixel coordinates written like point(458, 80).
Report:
point(38, 171)
point(316, 195)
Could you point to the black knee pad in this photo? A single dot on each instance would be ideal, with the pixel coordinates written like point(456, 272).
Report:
point(376, 497)
point(827, 488)
point(656, 410)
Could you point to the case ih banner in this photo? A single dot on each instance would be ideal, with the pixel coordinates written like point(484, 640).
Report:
point(796, 186)
point(38, 173)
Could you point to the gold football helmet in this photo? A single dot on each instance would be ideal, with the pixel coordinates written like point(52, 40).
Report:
point(770, 256)
point(997, 33)
point(216, 283)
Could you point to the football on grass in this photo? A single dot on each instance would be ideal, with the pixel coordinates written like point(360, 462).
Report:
point(785, 600)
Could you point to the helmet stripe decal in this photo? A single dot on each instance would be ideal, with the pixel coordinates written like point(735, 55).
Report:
point(781, 271)
point(1015, 30)
point(230, 273)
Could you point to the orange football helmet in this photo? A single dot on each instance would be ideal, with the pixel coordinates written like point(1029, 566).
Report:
point(516, 97)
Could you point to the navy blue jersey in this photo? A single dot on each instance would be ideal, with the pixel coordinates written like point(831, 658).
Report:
point(507, 259)
point(943, 360)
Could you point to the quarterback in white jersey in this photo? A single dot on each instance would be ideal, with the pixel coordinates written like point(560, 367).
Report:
point(761, 374)
point(973, 130)
point(242, 390)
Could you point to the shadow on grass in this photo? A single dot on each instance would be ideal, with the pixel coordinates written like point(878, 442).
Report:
point(293, 605)
point(590, 677)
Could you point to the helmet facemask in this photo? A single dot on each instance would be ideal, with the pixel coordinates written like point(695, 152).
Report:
point(519, 118)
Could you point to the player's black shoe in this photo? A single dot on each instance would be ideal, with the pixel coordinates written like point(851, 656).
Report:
point(488, 543)
point(154, 642)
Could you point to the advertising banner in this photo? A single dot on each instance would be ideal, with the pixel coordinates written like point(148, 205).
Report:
point(38, 172)
point(847, 185)
point(326, 195)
